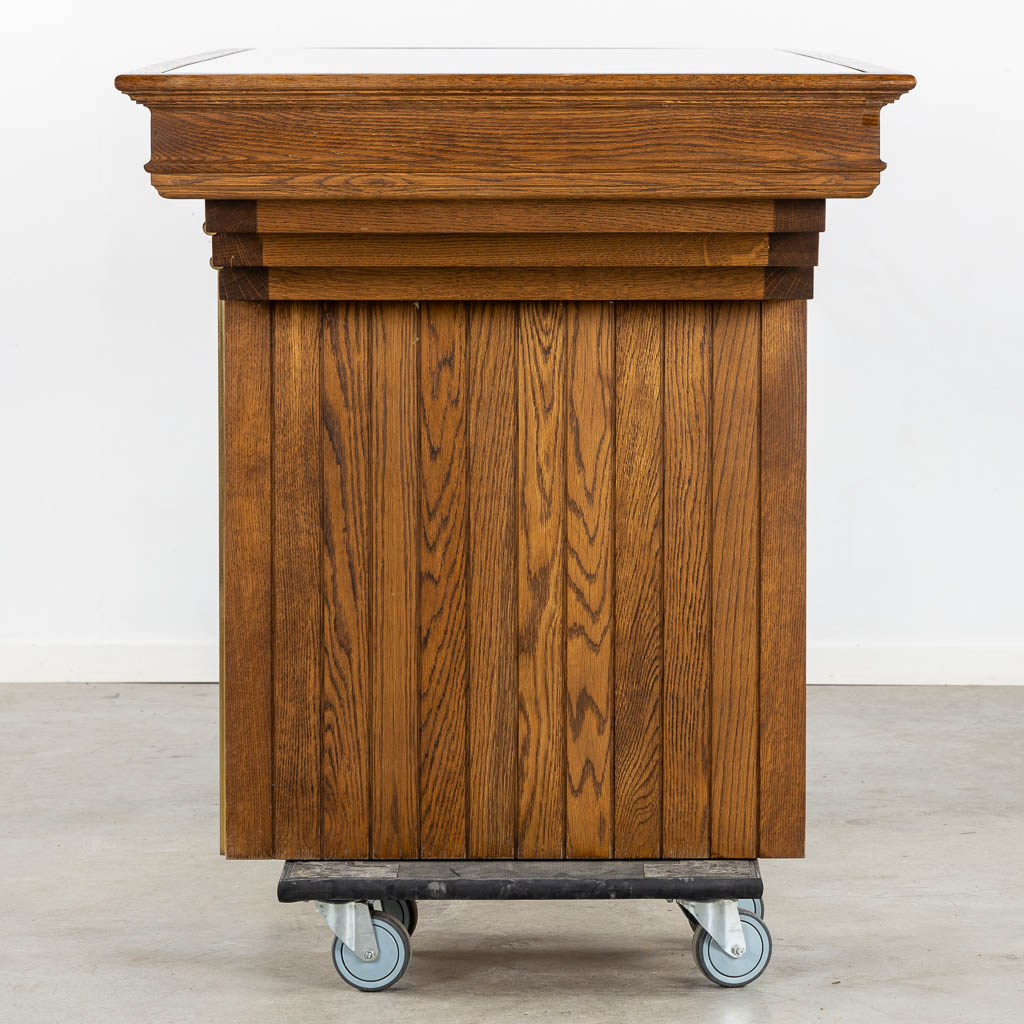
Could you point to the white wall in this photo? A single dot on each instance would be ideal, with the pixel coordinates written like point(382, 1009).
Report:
point(108, 460)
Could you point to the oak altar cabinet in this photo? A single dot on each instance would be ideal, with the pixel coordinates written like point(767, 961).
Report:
point(513, 466)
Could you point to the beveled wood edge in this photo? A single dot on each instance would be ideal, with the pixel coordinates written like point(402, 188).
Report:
point(243, 216)
point(153, 87)
point(515, 249)
point(471, 284)
point(752, 183)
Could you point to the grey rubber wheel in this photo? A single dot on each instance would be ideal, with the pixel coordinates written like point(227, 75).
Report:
point(755, 906)
point(375, 975)
point(404, 911)
point(717, 966)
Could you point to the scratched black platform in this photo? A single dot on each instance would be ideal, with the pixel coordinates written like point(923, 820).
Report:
point(339, 880)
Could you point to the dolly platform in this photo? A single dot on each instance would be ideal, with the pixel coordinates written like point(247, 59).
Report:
point(371, 905)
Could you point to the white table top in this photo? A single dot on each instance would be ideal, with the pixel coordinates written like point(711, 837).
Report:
point(507, 61)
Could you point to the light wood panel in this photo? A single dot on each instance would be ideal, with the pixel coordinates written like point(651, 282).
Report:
point(247, 687)
point(442, 579)
point(297, 550)
point(536, 579)
point(394, 610)
point(687, 625)
point(493, 618)
point(639, 341)
point(590, 475)
point(345, 436)
point(783, 532)
point(541, 739)
point(734, 578)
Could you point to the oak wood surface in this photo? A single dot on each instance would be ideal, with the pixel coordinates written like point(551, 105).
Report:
point(493, 617)
point(490, 283)
point(589, 626)
point(783, 531)
point(246, 580)
point(297, 548)
point(442, 579)
point(541, 728)
point(639, 519)
point(735, 347)
point(346, 771)
point(687, 574)
point(551, 611)
point(394, 624)
point(513, 446)
point(474, 216)
point(510, 250)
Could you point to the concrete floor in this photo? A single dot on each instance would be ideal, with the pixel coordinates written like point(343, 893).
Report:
point(116, 906)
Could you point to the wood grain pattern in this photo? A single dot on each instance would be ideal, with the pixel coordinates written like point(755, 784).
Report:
point(492, 567)
point(525, 576)
point(605, 249)
point(475, 216)
point(541, 737)
point(687, 625)
point(394, 609)
point(297, 548)
point(442, 579)
point(590, 445)
point(639, 342)
point(345, 436)
point(246, 626)
point(524, 283)
point(735, 573)
point(783, 532)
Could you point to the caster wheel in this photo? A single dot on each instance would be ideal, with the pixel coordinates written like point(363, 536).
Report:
point(405, 912)
point(390, 965)
point(724, 970)
point(754, 906)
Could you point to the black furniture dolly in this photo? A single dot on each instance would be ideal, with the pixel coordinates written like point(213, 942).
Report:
point(371, 906)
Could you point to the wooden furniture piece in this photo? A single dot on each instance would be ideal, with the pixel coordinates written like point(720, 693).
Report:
point(513, 399)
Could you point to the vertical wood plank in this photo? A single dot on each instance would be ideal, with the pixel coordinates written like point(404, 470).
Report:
point(687, 579)
point(541, 739)
point(493, 617)
point(783, 515)
point(442, 579)
point(735, 578)
point(297, 547)
point(590, 391)
point(345, 438)
point(638, 578)
point(247, 688)
point(393, 615)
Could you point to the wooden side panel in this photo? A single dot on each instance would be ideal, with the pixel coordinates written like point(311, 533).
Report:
point(393, 616)
point(541, 738)
point(590, 467)
point(687, 579)
point(639, 343)
point(297, 549)
point(783, 532)
point(345, 439)
point(735, 573)
point(492, 621)
point(246, 628)
point(442, 580)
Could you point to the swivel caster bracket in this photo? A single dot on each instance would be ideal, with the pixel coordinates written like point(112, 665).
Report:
point(721, 920)
point(353, 925)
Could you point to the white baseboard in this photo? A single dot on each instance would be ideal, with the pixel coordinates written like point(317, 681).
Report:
point(916, 664)
point(109, 663)
point(836, 664)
